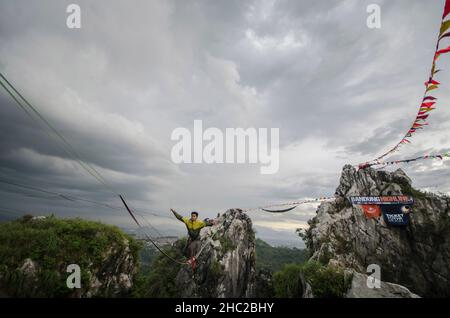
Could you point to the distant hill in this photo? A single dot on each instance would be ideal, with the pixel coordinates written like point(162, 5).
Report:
point(274, 258)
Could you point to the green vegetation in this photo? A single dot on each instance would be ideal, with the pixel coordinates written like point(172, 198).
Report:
point(442, 225)
point(216, 270)
point(325, 281)
point(52, 244)
point(159, 279)
point(287, 283)
point(274, 258)
point(226, 244)
point(325, 256)
point(407, 189)
point(303, 234)
point(147, 256)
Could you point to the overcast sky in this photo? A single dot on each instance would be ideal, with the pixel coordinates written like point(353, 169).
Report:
point(338, 91)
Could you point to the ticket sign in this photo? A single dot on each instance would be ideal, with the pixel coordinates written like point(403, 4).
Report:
point(396, 214)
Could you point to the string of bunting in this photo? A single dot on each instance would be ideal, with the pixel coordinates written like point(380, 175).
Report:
point(387, 163)
point(428, 102)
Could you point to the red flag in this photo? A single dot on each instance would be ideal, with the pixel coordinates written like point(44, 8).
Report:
point(431, 81)
point(428, 104)
point(446, 8)
point(428, 98)
point(423, 117)
point(447, 49)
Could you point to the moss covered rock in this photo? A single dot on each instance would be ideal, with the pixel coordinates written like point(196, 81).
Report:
point(35, 254)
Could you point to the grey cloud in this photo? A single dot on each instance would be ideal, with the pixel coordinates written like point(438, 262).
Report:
point(117, 88)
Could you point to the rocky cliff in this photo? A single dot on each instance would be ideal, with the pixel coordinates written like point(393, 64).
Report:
point(226, 265)
point(416, 256)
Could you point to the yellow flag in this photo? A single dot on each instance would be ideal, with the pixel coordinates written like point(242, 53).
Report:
point(444, 27)
point(431, 87)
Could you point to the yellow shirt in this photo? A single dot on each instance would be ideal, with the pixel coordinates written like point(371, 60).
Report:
point(193, 227)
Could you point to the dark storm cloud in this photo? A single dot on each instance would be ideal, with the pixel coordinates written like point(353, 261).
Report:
point(382, 138)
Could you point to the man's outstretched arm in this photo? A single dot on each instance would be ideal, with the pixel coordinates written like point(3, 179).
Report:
point(178, 216)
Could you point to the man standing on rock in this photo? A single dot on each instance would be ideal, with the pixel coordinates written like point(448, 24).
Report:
point(193, 225)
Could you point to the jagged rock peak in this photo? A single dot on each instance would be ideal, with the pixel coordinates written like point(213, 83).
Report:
point(416, 256)
point(371, 182)
point(226, 266)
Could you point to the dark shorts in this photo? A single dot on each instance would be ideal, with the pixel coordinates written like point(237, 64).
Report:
point(191, 248)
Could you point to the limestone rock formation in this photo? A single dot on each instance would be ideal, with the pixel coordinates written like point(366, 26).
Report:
point(226, 265)
point(359, 289)
point(416, 256)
